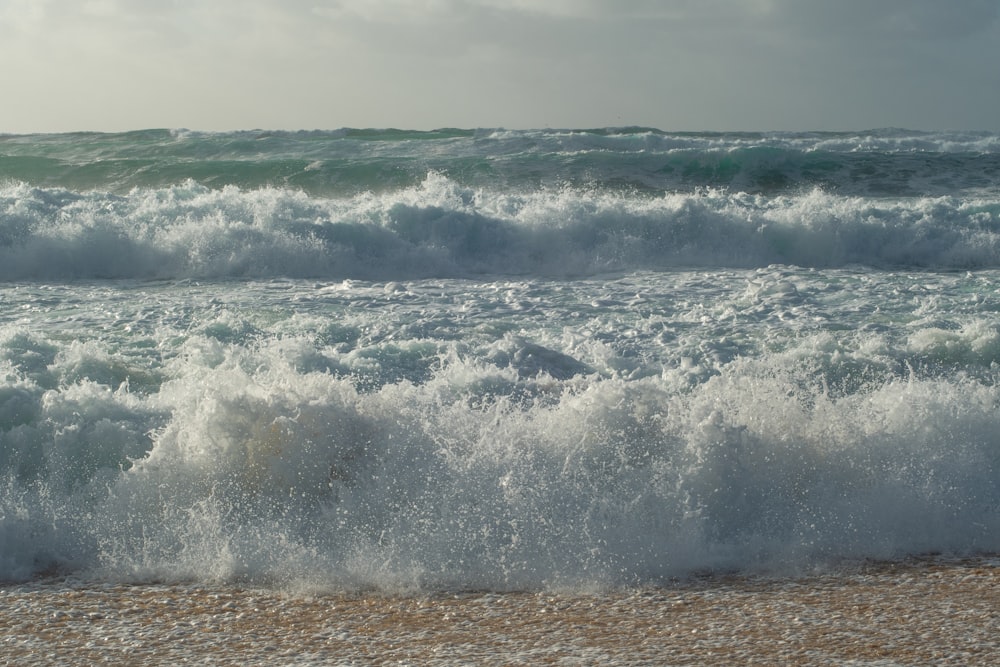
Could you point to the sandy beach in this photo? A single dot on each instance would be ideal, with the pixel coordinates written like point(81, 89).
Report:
point(921, 612)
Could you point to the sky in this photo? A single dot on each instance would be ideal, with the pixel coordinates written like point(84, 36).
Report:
point(114, 65)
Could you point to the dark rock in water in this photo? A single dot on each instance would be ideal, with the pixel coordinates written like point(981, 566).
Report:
point(531, 360)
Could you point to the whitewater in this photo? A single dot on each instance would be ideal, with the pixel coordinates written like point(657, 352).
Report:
point(495, 360)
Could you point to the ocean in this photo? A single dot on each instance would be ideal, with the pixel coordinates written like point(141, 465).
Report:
point(422, 363)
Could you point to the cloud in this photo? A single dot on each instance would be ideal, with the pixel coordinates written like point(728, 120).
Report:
point(321, 63)
point(888, 19)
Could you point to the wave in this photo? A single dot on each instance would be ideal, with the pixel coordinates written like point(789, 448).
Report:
point(250, 463)
point(348, 162)
point(440, 228)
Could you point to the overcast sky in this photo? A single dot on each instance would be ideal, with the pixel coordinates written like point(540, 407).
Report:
point(674, 64)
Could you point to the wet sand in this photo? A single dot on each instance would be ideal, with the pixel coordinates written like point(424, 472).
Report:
point(921, 612)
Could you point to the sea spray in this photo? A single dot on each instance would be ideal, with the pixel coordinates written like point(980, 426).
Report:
point(478, 477)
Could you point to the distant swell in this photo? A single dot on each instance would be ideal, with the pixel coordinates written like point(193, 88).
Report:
point(878, 163)
point(439, 228)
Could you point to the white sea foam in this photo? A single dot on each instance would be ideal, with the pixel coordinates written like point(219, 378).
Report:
point(442, 229)
point(516, 435)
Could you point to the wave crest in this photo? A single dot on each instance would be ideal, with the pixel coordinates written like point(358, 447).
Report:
point(443, 229)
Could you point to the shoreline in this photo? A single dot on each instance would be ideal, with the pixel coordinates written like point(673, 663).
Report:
point(920, 611)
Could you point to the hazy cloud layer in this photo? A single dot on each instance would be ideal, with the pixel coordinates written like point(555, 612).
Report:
point(682, 64)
